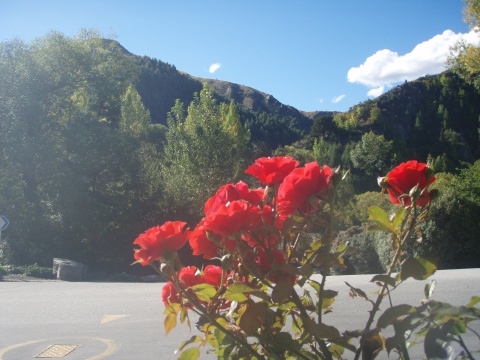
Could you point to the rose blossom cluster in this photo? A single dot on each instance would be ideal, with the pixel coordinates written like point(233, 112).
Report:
point(243, 222)
point(250, 224)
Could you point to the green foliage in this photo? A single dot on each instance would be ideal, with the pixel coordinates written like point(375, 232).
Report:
point(454, 220)
point(275, 310)
point(372, 154)
point(83, 168)
point(366, 259)
point(272, 130)
point(464, 58)
point(135, 119)
point(328, 153)
point(206, 148)
point(360, 203)
point(435, 116)
point(301, 154)
point(29, 270)
point(38, 271)
point(71, 182)
point(160, 85)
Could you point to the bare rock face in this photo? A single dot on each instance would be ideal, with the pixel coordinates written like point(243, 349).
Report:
point(69, 270)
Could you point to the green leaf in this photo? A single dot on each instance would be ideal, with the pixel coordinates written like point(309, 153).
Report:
point(253, 317)
point(237, 291)
point(455, 327)
point(328, 298)
point(192, 340)
point(380, 217)
point(429, 288)
point(398, 220)
point(282, 290)
point(356, 292)
point(307, 270)
point(473, 301)
point(315, 285)
point(441, 309)
point(384, 279)
point(184, 316)
point(190, 354)
point(317, 244)
point(204, 291)
point(320, 331)
point(419, 268)
point(372, 346)
point(170, 322)
point(346, 250)
point(391, 315)
point(285, 341)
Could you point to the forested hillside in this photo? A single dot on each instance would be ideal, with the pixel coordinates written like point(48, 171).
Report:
point(434, 118)
point(97, 144)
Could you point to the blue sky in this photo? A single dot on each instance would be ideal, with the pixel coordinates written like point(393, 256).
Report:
point(313, 55)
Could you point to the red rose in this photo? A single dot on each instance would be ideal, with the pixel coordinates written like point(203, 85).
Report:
point(188, 277)
point(169, 294)
point(272, 170)
point(172, 236)
point(262, 231)
point(405, 177)
point(201, 244)
point(300, 184)
point(265, 264)
point(231, 192)
point(213, 275)
point(231, 218)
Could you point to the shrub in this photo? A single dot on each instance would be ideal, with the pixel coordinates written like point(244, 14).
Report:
point(366, 259)
point(13, 269)
point(38, 271)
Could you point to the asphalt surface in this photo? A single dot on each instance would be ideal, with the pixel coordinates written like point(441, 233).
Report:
point(125, 320)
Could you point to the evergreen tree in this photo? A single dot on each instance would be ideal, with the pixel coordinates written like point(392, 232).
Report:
point(204, 150)
point(135, 119)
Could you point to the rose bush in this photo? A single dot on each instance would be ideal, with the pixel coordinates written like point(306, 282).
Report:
point(261, 300)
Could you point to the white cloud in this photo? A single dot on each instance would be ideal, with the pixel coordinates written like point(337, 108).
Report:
point(386, 67)
point(376, 91)
point(214, 67)
point(337, 99)
point(320, 100)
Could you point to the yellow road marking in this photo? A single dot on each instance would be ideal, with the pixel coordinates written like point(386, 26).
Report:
point(108, 318)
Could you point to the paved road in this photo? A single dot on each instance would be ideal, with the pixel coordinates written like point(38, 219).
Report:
point(125, 320)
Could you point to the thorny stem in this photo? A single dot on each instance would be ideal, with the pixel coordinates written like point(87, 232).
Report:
point(286, 347)
point(462, 344)
point(303, 312)
point(320, 298)
point(380, 296)
point(389, 297)
point(404, 351)
point(472, 330)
